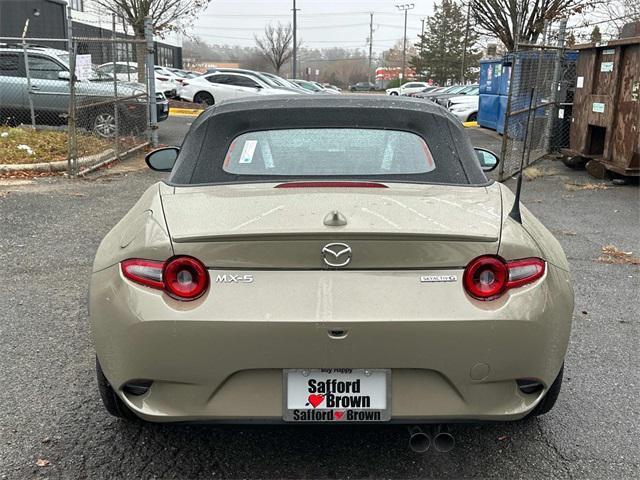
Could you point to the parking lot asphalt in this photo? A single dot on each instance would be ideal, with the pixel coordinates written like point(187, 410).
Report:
point(51, 413)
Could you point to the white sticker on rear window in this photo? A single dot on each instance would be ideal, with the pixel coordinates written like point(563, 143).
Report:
point(247, 151)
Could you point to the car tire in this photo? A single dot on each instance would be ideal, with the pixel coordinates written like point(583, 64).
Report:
point(204, 97)
point(473, 117)
point(576, 162)
point(549, 400)
point(111, 401)
point(103, 123)
point(394, 94)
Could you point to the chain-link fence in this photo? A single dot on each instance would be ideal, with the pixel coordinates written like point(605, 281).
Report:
point(538, 113)
point(103, 110)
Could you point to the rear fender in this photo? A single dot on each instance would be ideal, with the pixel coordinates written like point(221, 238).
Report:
point(142, 233)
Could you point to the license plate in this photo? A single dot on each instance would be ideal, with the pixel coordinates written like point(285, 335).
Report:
point(337, 395)
point(165, 108)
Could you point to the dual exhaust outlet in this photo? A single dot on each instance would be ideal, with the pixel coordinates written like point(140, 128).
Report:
point(420, 441)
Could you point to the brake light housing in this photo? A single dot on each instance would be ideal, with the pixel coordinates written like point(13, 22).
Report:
point(489, 276)
point(183, 278)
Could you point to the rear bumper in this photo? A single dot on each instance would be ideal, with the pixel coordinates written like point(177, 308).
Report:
point(212, 361)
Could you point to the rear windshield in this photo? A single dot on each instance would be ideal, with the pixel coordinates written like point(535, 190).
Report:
point(328, 152)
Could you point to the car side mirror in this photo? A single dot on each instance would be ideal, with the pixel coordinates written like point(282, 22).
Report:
point(162, 159)
point(64, 75)
point(488, 160)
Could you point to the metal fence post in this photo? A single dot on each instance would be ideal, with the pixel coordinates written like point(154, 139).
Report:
point(116, 117)
point(507, 114)
point(26, 67)
point(555, 86)
point(151, 86)
point(71, 120)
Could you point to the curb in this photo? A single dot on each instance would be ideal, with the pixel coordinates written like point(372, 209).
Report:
point(56, 166)
point(185, 112)
point(469, 124)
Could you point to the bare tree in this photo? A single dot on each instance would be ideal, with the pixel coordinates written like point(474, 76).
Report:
point(523, 19)
point(276, 45)
point(166, 16)
point(614, 14)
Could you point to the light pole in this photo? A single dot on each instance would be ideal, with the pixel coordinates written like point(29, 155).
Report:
point(404, 8)
point(294, 56)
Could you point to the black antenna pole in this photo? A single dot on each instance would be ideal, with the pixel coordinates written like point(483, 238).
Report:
point(515, 211)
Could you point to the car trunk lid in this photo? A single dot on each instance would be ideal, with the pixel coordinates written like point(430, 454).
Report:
point(403, 226)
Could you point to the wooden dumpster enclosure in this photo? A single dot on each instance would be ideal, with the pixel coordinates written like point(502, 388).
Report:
point(605, 123)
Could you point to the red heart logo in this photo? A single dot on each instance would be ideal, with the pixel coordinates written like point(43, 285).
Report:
point(316, 400)
point(338, 415)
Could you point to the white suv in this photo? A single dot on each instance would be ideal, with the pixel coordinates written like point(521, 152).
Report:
point(407, 88)
point(128, 72)
point(215, 87)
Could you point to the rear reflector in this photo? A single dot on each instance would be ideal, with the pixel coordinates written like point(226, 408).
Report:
point(331, 185)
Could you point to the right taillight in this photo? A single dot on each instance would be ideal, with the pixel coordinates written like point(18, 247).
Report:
point(487, 277)
point(183, 278)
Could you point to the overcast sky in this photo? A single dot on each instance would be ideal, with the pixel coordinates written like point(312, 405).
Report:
point(321, 23)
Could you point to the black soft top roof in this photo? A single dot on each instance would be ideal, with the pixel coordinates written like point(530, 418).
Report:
point(205, 146)
point(343, 101)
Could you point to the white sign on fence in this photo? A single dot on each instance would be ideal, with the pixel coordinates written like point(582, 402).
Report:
point(597, 107)
point(83, 67)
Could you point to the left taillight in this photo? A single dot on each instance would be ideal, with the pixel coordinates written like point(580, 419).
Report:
point(487, 277)
point(183, 278)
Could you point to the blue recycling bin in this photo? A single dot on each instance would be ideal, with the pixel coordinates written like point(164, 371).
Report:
point(494, 87)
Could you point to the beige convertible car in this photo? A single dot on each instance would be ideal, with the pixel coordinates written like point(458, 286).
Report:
point(325, 259)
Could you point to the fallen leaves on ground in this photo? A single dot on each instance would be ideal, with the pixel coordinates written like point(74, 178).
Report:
point(531, 173)
point(28, 174)
point(572, 187)
point(611, 254)
point(43, 462)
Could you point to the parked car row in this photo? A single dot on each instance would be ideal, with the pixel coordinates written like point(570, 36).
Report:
point(218, 84)
point(167, 80)
point(461, 100)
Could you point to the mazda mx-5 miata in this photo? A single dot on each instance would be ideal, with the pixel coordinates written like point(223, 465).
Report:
point(324, 259)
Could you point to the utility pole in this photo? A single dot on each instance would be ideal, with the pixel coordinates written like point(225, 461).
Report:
point(370, 42)
point(294, 57)
point(404, 8)
point(464, 44)
point(422, 47)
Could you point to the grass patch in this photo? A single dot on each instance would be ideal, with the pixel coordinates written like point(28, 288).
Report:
point(24, 145)
point(611, 254)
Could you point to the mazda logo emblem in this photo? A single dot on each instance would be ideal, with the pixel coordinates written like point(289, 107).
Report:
point(336, 254)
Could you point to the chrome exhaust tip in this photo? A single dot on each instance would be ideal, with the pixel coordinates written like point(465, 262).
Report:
point(444, 442)
point(419, 441)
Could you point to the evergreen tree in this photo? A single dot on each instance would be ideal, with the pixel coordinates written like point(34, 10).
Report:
point(596, 36)
point(440, 48)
